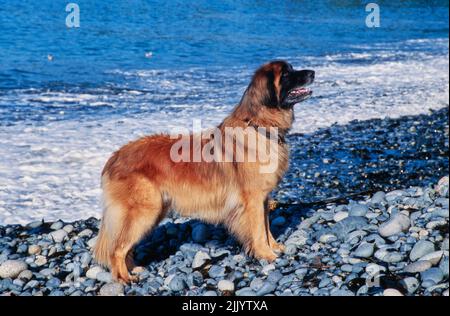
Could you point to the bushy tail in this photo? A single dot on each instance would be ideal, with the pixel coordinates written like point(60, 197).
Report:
point(109, 230)
point(103, 247)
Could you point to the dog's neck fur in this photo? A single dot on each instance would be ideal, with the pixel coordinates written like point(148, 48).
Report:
point(251, 112)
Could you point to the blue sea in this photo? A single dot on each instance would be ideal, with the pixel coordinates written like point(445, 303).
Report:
point(71, 96)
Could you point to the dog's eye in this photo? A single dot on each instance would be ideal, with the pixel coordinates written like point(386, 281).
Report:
point(285, 74)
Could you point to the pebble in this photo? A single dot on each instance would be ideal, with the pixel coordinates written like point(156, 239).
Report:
point(177, 283)
point(434, 257)
point(392, 292)
point(358, 210)
point(420, 249)
point(34, 249)
point(225, 286)
point(339, 216)
point(112, 289)
point(103, 276)
point(418, 266)
point(410, 284)
point(92, 272)
point(433, 274)
point(267, 268)
point(279, 221)
point(444, 266)
point(200, 259)
point(364, 250)
point(12, 268)
point(397, 224)
point(266, 288)
point(57, 225)
point(327, 238)
point(58, 235)
point(25, 275)
point(246, 291)
point(200, 233)
point(388, 256)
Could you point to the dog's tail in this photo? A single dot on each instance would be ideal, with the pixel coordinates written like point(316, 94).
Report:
point(109, 230)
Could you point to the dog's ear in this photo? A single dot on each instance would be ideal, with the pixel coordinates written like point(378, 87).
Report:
point(273, 87)
point(264, 88)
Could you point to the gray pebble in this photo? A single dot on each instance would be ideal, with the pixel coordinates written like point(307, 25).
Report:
point(358, 210)
point(58, 235)
point(433, 274)
point(364, 250)
point(418, 266)
point(397, 224)
point(12, 268)
point(111, 289)
point(420, 249)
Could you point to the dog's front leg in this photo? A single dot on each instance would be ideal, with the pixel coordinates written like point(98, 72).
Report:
point(250, 228)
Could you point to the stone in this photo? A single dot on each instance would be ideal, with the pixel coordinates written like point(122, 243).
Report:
point(104, 277)
point(12, 268)
point(85, 233)
point(200, 259)
point(433, 274)
point(339, 216)
point(266, 288)
point(392, 292)
point(58, 236)
point(358, 210)
point(444, 266)
point(57, 225)
point(200, 233)
point(420, 249)
point(267, 268)
point(111, 289)
point(342, 228)
point(364, 250)
point(388, 256)
point(410, 284)
point(92, 272)
point(25, 275)
point(418, 266)
point(245, 291)
point(34, 249)
point(434, 257)
point(40, 260)
point(327, 238)
point(216, 272)
point(279, 221)
point(177, 283)
point(225, 286)
point(397, 224)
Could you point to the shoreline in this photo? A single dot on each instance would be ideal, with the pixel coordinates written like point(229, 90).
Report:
point(398, 239)
point(331, 248)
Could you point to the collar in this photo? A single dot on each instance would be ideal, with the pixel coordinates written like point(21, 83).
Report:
point(281, 136)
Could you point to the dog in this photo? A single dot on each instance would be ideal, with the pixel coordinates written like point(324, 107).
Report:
point(141, 181)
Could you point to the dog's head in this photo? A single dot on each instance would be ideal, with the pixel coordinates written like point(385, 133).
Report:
point(277, 84)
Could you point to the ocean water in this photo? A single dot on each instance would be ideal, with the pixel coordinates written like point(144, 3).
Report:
point(60, 119)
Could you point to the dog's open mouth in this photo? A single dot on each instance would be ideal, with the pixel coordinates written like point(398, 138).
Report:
point(299, 94)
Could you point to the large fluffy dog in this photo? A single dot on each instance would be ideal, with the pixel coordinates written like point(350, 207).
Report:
point(141, 181)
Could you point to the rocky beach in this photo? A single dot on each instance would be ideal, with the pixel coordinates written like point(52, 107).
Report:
point(363, 210)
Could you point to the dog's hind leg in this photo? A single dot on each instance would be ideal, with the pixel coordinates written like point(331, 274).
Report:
point(135, 207)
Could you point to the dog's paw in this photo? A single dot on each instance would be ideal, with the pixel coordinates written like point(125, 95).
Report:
point(278, 248)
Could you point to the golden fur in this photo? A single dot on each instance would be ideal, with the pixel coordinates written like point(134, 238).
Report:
point(140, 183)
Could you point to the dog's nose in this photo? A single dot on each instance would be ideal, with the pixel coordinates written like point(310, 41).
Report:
point(311, 74)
